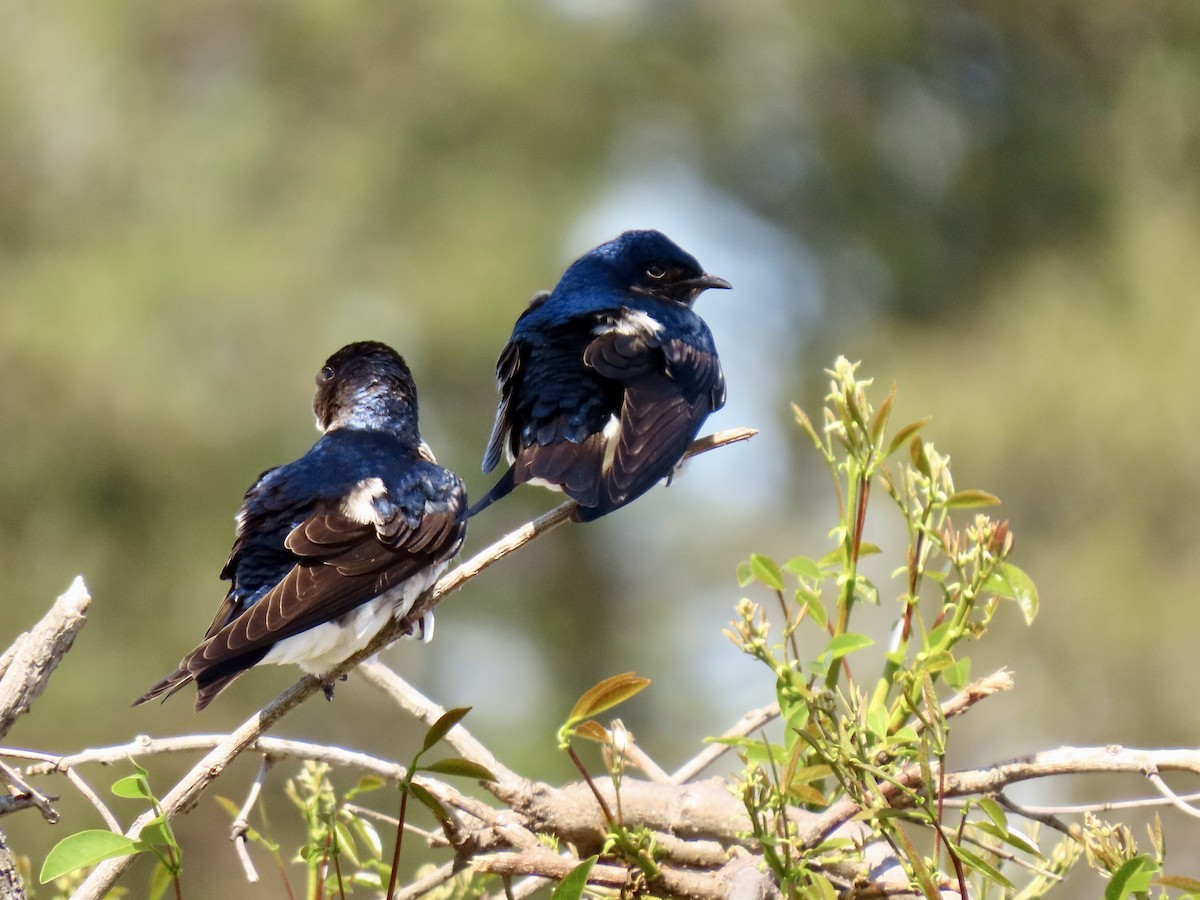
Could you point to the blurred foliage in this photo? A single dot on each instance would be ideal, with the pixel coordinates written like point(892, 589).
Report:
point(996, 205)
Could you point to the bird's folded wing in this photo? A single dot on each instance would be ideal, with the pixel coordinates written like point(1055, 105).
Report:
point(670, 388)
point(507, 368)
point(342, 564)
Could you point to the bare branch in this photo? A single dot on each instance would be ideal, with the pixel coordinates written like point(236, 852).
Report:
point(18, 788)
point(421, 707)
point(35, 655)
point(238, 832)
point(673, 881)
point(438, 877)
point(750, 721)
point(11, 885)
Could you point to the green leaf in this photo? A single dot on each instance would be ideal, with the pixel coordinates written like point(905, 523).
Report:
point(607, 694)
point(591, 730)
point(309, 852)
point(430, 802)
point(877, 717)
point(967, 499)
point(976, 863)
point(82, 849)
point(1133, 877)
point(816, 609)
point(865, 590)
point(369, 835)
point(805, 567)
point(160, 881)
point(880, 420)
point(1009, 837)
point(919, 458)
point(157, 833)
point(803, 792)
point(1013, 584)
point(937, 661)
point(903, 435)
point(822, 886)
point(767, 571)
point(765, 754)
point(132, 787)
point(959, 674)
point(438, 729)
point(571, 887)
point(366, 784)
point(847, 643)
point(462, 768)
point(744, 574)
point(993, 811)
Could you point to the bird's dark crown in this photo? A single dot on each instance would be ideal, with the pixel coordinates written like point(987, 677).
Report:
point(368, 386)
point(647, 263)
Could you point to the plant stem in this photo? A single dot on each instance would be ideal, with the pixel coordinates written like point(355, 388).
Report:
point(391, 891)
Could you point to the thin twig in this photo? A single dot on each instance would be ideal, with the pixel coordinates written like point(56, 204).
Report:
point(19, 788)
point(421, 707)
point(437, 877)
point(1032, 812)
point(241, 824)
point(750, 721)
point(1047, 819)
point(1176, 801)
point(636, 756)
point(94, 798)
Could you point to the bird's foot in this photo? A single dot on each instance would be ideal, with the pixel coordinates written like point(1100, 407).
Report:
point(327, 687)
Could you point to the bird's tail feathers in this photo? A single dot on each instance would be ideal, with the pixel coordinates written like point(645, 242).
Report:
point(208, 685)
point(500, 489)
point(174, 682)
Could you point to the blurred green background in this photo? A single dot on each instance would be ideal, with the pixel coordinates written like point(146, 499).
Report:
point(996, 206)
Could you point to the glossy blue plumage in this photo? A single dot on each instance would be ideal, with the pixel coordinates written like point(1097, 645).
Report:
point(608, 378)
point(332, 545)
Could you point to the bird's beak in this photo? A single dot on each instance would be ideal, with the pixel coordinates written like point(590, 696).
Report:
point(706, 281)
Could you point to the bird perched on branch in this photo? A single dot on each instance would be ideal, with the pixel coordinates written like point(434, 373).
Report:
point(333, 545)
point(608, 378)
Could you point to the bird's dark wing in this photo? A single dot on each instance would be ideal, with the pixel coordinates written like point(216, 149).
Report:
point(508, 368)
point(552, 408)
point(670, 389)
point(344, 554)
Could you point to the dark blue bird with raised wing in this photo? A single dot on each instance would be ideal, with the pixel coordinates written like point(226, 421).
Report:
point(608, 378)
point(333, 545)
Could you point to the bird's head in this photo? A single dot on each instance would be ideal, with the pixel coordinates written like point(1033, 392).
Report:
point(366, 385)
point(651, 264)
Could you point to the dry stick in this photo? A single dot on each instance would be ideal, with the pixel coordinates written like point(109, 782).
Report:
point(35, 654)
point(240, 829)
point(186, 792)
point(19, 788)
point(1178, 802)
point(750, 721)
point(422, 708)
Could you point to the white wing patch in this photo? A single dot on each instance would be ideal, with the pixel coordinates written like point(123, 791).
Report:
point(632, 322)
point(359, 505)
point(611, 431)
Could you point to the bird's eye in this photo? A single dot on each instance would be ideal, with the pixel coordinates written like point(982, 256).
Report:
point(327, 373)
point(656, 271)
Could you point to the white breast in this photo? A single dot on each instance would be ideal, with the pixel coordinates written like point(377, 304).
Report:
point(322, 647)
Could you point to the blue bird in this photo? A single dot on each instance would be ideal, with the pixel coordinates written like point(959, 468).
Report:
point(331, 546)
point(607, 378)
